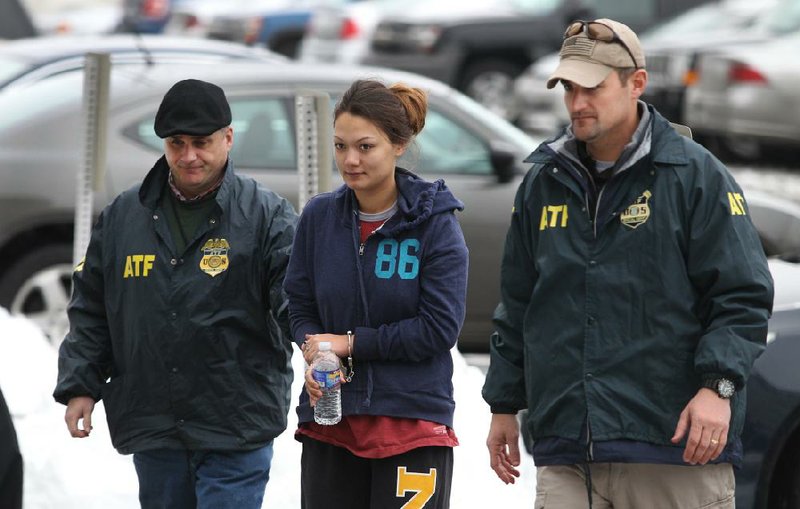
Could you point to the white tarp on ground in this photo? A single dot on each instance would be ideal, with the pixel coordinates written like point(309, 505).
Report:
point(84, 474)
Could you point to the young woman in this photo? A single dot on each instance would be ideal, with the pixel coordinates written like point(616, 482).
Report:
point(379, 269)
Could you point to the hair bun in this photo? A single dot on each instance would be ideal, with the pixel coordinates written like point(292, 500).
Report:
point(415, 102)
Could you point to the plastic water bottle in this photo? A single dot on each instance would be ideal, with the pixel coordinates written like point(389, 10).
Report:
point(326, 372)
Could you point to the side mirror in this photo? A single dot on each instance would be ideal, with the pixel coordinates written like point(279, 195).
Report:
point(502, 160)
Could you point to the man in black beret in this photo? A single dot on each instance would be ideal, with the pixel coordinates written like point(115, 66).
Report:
point(178, 320)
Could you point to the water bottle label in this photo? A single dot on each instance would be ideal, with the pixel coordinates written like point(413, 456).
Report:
point(327, 379)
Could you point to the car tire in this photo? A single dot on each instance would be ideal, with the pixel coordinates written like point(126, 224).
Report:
point(491, 83)
point(38, 286)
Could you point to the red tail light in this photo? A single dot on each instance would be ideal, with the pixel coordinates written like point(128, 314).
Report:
point(155, 8)
point(743, 73)
point(191, 21)
point(349, 29)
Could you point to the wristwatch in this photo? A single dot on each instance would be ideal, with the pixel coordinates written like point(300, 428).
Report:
point(724, 387)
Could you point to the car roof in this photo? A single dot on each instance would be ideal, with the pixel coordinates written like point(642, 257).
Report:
point(48, 49)
point(245, 74)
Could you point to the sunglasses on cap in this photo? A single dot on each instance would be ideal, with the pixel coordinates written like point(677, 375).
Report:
point(598, 32)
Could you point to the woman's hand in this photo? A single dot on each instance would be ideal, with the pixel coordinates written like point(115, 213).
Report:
point(311, 345)
point(312, 388)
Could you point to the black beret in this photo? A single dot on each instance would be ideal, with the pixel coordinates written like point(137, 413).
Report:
point(192, 107)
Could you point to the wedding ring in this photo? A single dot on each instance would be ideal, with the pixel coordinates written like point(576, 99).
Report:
point(714, 441)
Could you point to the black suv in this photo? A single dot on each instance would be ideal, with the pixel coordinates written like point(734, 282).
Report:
point(480, 49)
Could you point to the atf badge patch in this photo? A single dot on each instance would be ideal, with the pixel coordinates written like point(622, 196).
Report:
point(637, 213)
point(215, 256)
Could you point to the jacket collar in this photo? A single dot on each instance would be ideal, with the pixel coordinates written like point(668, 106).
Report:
point(417, 201)
point(668, 147)
point(155, 182)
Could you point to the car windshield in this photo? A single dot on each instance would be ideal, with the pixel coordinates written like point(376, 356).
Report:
point(497, 124)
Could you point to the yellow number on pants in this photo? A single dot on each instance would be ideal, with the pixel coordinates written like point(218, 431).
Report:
point(423, 484)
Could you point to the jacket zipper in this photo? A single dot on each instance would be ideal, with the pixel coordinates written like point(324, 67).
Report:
point(597, 210)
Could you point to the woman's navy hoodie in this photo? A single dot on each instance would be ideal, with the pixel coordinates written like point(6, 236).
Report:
point(402, 294)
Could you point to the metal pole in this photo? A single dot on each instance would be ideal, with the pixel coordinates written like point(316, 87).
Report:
point(96, 79)
point(314, 137)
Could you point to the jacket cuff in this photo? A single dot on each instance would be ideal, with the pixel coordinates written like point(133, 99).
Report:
point(500, 409)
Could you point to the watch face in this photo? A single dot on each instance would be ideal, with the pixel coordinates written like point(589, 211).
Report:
point(725, 388)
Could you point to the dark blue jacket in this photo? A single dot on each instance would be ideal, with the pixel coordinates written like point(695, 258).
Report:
point(608, 328)
point(403, 297)
point(190, 340)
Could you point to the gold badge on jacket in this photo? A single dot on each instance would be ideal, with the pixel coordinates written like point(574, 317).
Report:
point(638, 212)
point(215, 256)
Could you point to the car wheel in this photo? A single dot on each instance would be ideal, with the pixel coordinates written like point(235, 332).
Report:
point(491, 83)
point(38, 286)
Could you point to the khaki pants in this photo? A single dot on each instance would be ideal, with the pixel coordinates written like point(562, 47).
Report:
point(636, 486)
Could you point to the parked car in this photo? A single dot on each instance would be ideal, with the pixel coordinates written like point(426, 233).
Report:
point(278, 25)
point(672, 48)
point(76, 16)
point(26, 60)
point(193, 17)
point(770, 474)
point(541, 109)
point(480, 48)
point(478, 154)
point(746, 97)
point(145, 16)
point(342, 33)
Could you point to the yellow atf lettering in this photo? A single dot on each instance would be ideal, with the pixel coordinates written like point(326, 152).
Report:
point(138, 265)
point(736, 201)
point(423, 484)
point(550, 215)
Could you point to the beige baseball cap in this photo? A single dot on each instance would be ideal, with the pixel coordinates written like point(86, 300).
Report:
point(587, 60)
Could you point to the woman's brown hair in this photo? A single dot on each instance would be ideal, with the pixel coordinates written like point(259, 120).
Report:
point(399, 110)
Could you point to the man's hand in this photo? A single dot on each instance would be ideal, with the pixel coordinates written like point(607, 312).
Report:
point(503, 444)
point(80, 407)
point(707, 418)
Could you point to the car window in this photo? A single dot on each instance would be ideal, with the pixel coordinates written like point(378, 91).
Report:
point(444, 146)
point(263, 135)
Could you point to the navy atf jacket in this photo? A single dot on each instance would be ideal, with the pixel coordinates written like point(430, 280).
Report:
point(615, 323)
point(403, 297)
point(189, 341)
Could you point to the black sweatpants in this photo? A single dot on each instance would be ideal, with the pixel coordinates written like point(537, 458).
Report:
point(334, 477)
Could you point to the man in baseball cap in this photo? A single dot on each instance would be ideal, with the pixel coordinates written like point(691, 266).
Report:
point(591, 50)
point(635, 298)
